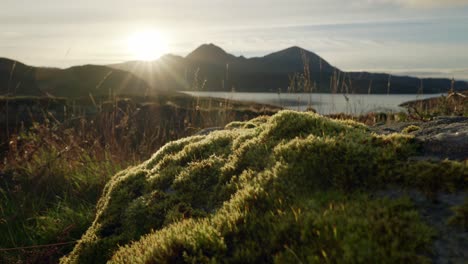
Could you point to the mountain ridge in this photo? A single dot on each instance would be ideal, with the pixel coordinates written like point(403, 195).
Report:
point(211, 68)
point(218, 70)
point(210, 53)
point(19, 79)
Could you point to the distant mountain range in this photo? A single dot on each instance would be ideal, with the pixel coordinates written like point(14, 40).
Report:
point(18, 79)
point(210, 68)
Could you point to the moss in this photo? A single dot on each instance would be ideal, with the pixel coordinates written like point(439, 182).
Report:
point(237, 124)
point(260, 120)
point(289, 188)
point(460, 217)
point(170, 148)
point(410, 128)
point(265, 230)
point(434, 177)
point(290, 124)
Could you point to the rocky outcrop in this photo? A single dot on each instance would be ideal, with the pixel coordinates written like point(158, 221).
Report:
point(441, 138)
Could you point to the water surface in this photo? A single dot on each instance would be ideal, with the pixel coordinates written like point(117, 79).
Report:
point(324, 103)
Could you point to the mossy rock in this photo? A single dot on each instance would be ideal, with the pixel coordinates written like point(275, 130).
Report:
point(291, 188)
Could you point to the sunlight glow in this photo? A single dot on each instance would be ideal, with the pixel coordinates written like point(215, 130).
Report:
point(147, 45)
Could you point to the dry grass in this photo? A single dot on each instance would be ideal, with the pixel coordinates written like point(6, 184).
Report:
point(455, 103)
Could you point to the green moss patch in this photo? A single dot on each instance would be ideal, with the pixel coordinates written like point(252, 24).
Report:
point(291, 188)
point(460, 217)
point(411, 128)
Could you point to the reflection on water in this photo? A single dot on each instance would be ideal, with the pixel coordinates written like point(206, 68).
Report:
point(324, 103)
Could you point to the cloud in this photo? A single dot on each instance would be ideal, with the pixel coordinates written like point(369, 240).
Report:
point(423, 3)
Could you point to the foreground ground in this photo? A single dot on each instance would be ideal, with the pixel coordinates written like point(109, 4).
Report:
point(291, 188)
point(56, 156)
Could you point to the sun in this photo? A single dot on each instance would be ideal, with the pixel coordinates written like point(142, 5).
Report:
point(147, 45)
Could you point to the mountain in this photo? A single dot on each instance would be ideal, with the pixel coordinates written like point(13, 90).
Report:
point(210, 53)
point(293, 60)
point(211, 68)
point(18, 79)
point(166, 72)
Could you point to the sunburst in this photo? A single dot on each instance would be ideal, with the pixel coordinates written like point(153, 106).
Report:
point(147, 45)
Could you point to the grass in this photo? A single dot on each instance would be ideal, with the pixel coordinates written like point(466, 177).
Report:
point(294, 187)
point(56, 164)
point(453, 104)
point(50, 183)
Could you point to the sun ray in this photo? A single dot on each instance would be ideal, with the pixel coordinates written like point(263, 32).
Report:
point(147, 45)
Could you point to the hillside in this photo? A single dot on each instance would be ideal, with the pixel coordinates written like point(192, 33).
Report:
point(211, 68)
point(17, 79)
point(291, 188)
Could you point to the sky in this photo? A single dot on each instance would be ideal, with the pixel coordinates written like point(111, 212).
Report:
point(425, 38)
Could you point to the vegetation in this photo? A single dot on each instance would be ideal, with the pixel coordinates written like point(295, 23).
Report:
point(410, 128)
point(59, 154)
point(294, 187)
point(455, 103)
point(373, 118)
point(50, 182)
point(460, 218)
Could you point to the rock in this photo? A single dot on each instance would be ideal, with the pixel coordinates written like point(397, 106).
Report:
point(441, 138)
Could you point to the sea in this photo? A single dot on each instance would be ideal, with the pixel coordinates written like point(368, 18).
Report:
point(324, 103)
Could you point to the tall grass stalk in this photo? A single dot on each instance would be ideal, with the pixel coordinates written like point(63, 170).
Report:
point(7, 127)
